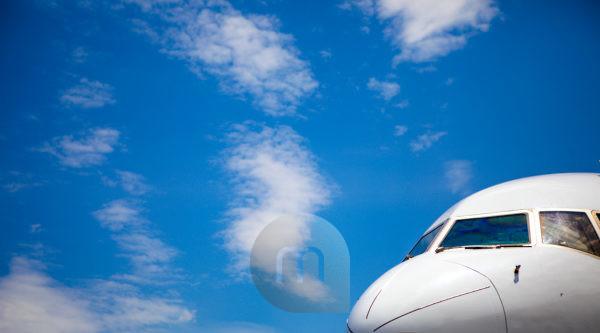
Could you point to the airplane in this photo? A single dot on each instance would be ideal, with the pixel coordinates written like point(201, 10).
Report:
point(519, 257)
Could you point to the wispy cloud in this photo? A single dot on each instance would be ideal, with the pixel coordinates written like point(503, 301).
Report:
point(13, 187)
point(88, 150)
point(150, 257)
point(119, 214)
point(458, 174)
point(426, 140)
point(88, 94)
point(124, 302)
point(427, 29)
point(125, 308)
point(326, 54)
point(402, 104)
point(274, 175)
point(368, 7)
point(119, 301)
point(133, 183)
point(35, 228)
point(247, 53)
point(386, 89)
point(17, 181)
point(400, 130)
point(31, 301)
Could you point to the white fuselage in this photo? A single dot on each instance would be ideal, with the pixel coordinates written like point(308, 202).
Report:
point(532, 287)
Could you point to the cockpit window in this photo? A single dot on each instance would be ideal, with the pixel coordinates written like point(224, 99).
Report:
point(424, 243)
point(570, 229)
point(485, 231)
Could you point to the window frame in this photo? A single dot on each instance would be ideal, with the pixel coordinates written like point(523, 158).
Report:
point(596, 220)
point(533, 239)
point(441, 227)
point(591, 214)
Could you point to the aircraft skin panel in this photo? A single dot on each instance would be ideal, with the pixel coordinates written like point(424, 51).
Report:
point(466, 313)
point(556, 290)
point(438, 285)
point(572, 190)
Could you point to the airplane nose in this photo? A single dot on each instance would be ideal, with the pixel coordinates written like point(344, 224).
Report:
point(425, 294)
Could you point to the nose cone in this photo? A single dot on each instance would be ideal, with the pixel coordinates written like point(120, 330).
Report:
point(426, 294)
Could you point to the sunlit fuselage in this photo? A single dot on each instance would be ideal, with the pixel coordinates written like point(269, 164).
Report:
point(533, 287)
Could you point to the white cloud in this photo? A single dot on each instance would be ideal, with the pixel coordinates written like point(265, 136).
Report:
point(426, 140)
point(275, 175)
point(130, 313)
point(402, 104)
point(275, 178)
point(31, 301)
point(89, 150)
point(149, 256)
point(386, 89)
point(88, 94)
point(246, 53)
point(119, 214)
point(458, 174)
point(424, 30)
point(400, 130)
point(325, 54)
point(123, 308)
point(133, 183)
point(35, 228)
point(368, 7)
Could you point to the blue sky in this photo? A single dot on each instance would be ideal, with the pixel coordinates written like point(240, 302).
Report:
point(146, 142)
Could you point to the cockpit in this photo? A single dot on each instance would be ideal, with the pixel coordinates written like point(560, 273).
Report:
point(578, 230)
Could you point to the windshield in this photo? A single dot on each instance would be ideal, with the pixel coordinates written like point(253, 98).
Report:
point(497, 230)
point(570, 229)
point(423, 243)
